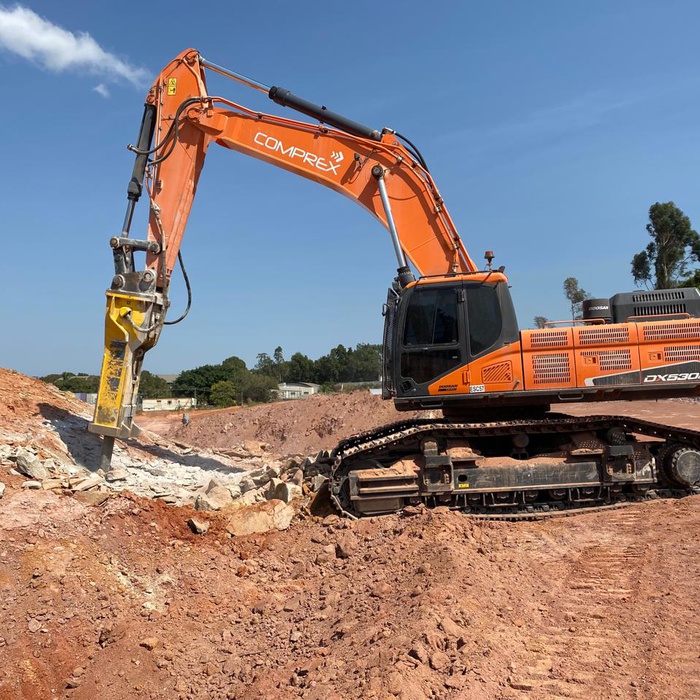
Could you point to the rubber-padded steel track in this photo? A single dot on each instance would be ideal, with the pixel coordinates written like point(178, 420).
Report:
point(389, 440)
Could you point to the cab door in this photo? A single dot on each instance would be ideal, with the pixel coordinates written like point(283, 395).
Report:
point(431, 336)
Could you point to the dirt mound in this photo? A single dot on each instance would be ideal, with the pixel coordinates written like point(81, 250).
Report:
point(304, 426)
point(124, 600)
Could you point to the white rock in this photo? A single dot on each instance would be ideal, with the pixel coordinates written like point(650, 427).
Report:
point(215, 498)
point(30, 465)
point(116, 474)
point(283, 491)
point(246, 484)
point(88, 483)
point(273, 515)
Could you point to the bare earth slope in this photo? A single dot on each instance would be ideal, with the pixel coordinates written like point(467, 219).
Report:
point(304, 426)
point(122, 600)
point(319, 422)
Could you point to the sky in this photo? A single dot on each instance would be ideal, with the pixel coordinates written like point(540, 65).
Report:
point(549, 127)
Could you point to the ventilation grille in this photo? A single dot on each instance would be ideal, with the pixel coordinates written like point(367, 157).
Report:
point(552, 368)
point(671, 331)
point(660, 309)
point(666, 295)
point(611, 360)
point(686, 353)
point(599, 336)
point(549, 339)
point(502, 372)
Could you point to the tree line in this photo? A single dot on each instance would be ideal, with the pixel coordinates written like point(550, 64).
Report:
point(151, 386)
point(231, 382)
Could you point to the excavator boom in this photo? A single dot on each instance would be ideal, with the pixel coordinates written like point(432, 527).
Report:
point(181, 120)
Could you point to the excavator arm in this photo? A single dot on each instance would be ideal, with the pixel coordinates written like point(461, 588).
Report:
point(373, 168)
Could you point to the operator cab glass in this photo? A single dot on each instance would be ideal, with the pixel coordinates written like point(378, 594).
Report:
point(431, 334)
point(436, 328)
point(485, 318)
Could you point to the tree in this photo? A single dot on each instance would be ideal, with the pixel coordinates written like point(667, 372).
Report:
point(691, 281)
point(540, 321)
point(234, 369)
point(199, 380)
point(75, 383)
point(152, 386)
point(664, 262)
point(299, 368)
point(224, 394)
point(265, 365)
point(364, 363)
point(234, 365)
point(575, 295)
point(327, 369)
point(258, 387)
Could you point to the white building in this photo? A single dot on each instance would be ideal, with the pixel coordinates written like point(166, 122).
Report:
point(297, 390)
point(174, 404)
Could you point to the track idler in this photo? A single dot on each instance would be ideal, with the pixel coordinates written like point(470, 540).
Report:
point(681, 465)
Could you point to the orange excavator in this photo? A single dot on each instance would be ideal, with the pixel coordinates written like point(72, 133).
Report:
point(451, 339)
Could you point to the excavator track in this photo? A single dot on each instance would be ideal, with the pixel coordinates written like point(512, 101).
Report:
point(514, 470)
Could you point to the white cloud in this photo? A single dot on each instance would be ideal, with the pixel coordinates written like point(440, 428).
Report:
point(30, 36)
point(101, 89)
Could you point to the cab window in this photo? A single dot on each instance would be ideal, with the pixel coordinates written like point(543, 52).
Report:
point(431, 318)
point(485, 320)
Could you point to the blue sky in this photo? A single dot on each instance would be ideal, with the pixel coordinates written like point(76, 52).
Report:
point(550, 128)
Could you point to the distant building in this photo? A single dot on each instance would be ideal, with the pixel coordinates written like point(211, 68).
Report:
point(174, 404)
point(297, 390)
point(169, 378)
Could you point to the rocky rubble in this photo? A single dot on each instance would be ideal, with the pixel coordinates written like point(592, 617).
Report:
point(54, 451)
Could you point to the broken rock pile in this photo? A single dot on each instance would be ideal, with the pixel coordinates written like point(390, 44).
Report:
point(44, 444)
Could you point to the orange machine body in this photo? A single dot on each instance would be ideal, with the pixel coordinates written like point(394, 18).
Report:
point(605, 362)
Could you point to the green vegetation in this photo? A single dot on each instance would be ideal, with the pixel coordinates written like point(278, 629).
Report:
point(75, 383)
point(674, 245)
point(231, 382)
point(150, 387)
point(575, 295)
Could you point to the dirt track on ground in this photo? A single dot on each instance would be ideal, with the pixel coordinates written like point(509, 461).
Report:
point(122, 600)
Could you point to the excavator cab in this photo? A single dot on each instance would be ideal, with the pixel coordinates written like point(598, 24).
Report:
point(432, 328)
